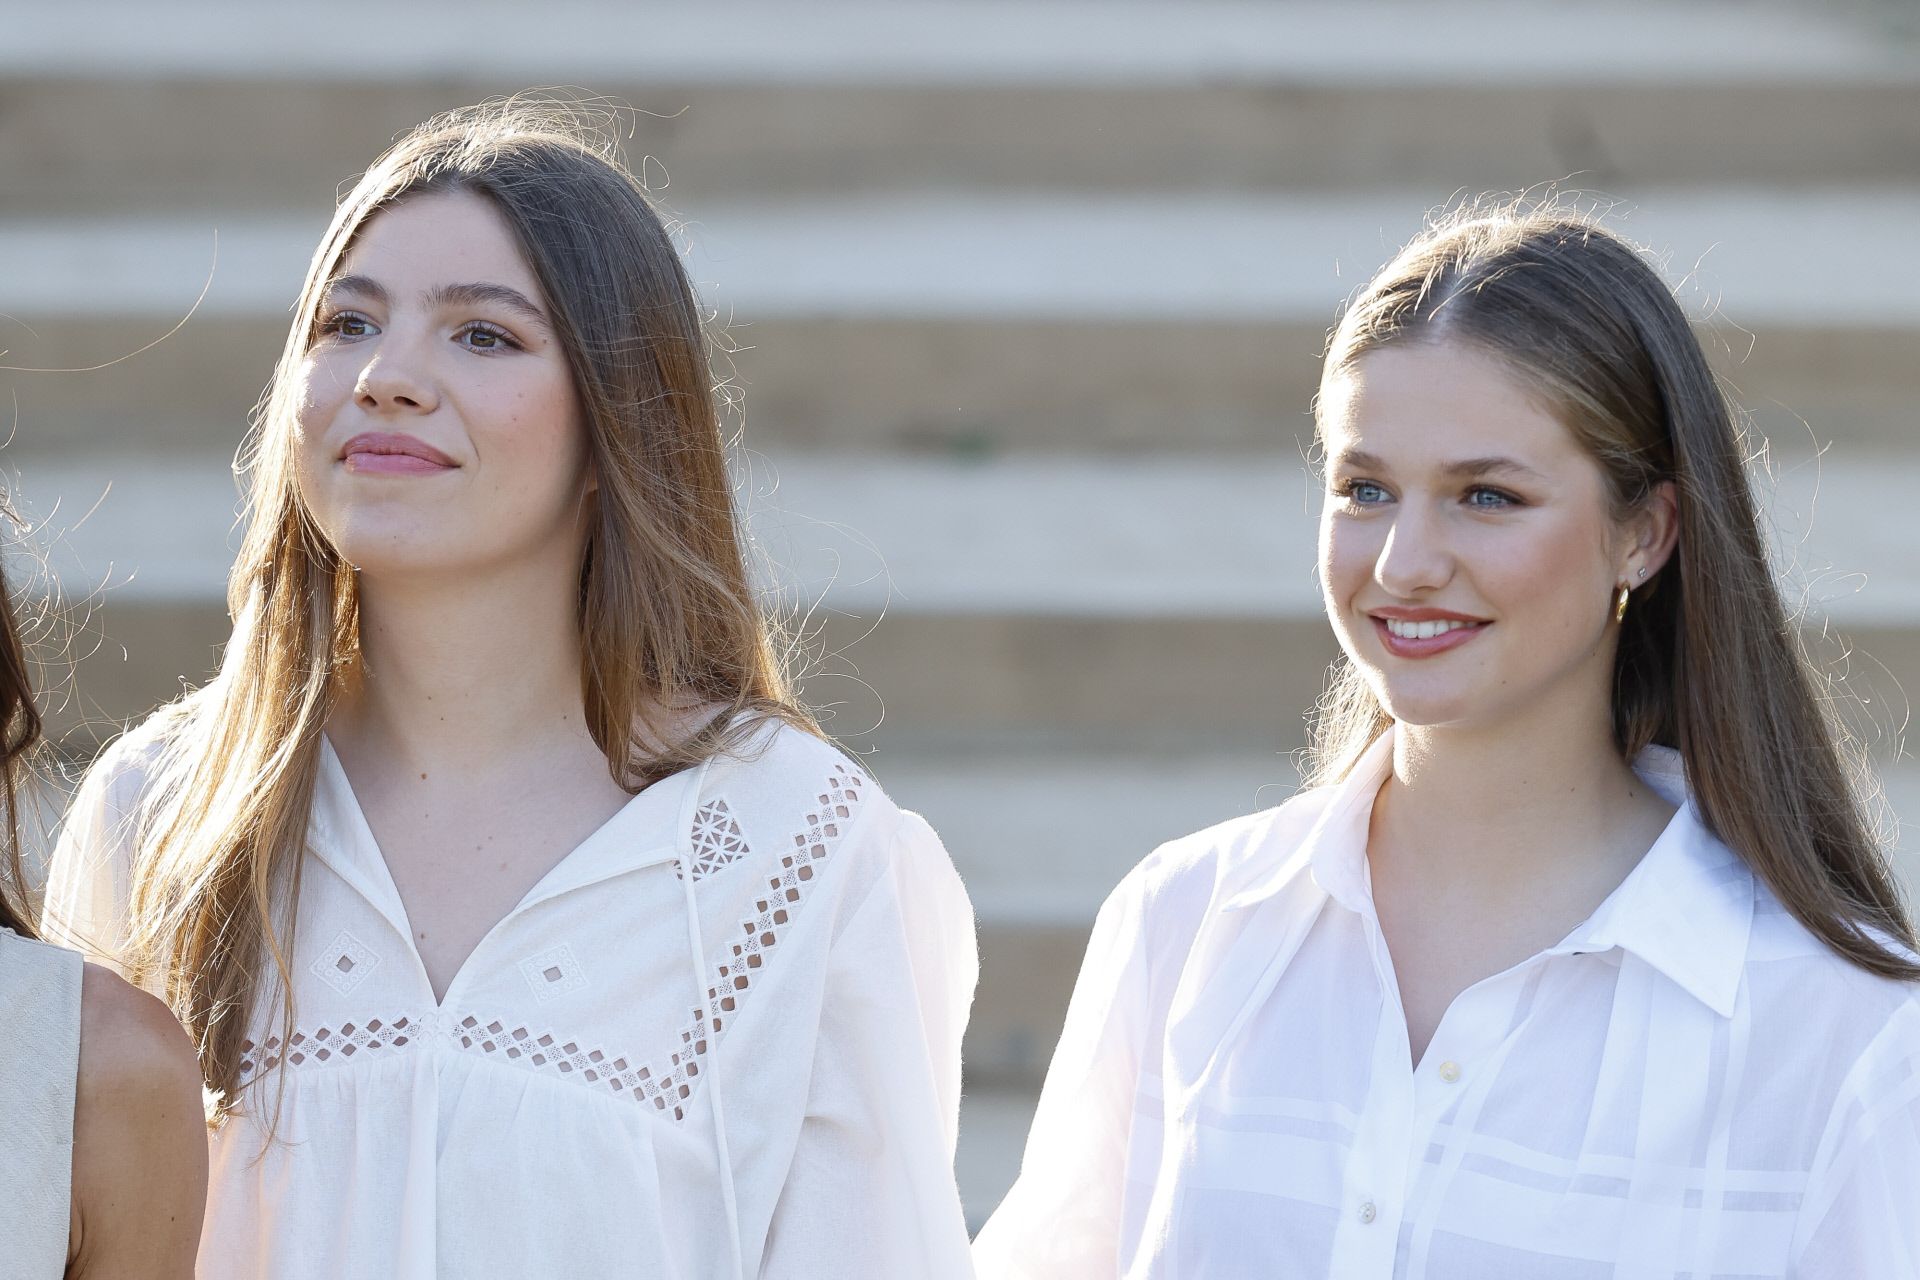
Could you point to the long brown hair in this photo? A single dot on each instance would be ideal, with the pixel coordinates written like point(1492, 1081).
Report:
point(19, 733)
point(668, 615)
point(1709, 660)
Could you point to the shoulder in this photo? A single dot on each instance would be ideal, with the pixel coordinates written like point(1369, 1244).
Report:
point(132, 1049)
point(794, 799)
point(1188, 875)
point(1859, 1030)
point(122, 774)
point(779, 775)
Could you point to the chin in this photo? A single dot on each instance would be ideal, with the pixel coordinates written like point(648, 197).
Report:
point(1428, 701)
point(373, 549)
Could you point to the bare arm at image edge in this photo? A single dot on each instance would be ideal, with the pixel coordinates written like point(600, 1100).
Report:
point(139, 1139)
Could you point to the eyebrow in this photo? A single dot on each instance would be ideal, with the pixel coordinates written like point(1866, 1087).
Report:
point(1464, 468)
point(479, 293)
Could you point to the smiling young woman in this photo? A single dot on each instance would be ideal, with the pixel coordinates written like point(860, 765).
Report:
point(525, 923)
point(1577, 957)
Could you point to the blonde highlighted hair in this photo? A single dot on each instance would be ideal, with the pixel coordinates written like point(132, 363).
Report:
point(1709, 660)
point(668, 616)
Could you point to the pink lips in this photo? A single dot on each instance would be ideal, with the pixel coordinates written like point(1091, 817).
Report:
point(391, 453)
point(1427, 646)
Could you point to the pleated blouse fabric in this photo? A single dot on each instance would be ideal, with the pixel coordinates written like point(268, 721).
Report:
point(1689, 1085)
point(39, 1067)
point(721, 1038)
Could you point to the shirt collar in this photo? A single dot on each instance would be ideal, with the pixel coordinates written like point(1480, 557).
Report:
point(1686, 908)
point(642, 833)
point(1335, 846)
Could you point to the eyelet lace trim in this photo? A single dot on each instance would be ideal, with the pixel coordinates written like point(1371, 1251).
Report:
point(668, 1085)
point(325, 1044)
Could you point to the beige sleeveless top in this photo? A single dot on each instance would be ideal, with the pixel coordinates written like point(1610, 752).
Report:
point(39, 1060)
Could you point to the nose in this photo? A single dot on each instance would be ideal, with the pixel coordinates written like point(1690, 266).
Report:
point(1415, 559)
point(393, 380)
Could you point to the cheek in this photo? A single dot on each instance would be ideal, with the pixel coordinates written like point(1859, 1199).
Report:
point(319, 399)
point(1549, 569)
point(536, 432)
point(1348, 550)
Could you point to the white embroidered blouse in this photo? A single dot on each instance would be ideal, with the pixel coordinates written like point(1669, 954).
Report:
point(1689, 1084)
point(720, 1039)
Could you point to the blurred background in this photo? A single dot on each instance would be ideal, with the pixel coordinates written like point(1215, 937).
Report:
point(1024, 304)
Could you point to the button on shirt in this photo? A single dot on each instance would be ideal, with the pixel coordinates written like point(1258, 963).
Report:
point(1690, 1084)
point(720, 1038)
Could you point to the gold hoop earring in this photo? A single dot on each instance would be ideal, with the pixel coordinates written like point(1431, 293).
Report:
point(1620, 603)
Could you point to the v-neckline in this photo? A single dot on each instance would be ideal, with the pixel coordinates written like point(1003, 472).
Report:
point(341, 836)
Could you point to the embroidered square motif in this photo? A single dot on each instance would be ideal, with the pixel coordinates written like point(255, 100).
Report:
point(554, 972)
point(345, 963)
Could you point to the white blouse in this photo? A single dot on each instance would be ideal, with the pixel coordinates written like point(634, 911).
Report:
point(1689, 1085)
point(720, 1039)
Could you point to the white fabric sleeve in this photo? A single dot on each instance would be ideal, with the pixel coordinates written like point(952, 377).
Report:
point(1061, 1220)
point(870, 1193)
point(1861, 1213)
point(89, 881)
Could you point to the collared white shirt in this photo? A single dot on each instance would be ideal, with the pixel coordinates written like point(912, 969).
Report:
point(1688, 1085)
point(721, 1038)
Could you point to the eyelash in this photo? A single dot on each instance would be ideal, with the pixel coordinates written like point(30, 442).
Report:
point(331, 327)
point(492, 331)
point(1346, 489)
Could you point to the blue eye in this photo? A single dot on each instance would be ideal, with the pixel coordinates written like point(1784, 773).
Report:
point(1362, 493)
point(1490, 499)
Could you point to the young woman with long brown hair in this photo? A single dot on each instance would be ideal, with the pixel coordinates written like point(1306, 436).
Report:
point(525, 922)
point(101, 1125)
point(1578, 956)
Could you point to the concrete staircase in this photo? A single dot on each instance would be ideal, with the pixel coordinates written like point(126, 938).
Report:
point(1028, 300)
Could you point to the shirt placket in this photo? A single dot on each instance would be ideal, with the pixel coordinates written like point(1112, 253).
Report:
point(1400, 1164)
point(1449, 1088)
point(1374, 1191)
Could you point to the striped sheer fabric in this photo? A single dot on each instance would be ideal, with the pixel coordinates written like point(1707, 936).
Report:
point(1688, 1086)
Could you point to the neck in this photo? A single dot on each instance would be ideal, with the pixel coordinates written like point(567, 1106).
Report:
point(467, 670)
point(1498, 812)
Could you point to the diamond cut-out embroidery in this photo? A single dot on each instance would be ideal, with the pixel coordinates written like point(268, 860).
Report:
point(345, 963)
point(324, 1044)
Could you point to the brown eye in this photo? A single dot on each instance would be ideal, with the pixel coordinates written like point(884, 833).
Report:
point(347, 324)
point(485, 337)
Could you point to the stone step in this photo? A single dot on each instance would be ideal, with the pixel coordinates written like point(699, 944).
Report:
point(978, 326)
point(958, 388)
point(1045, 536)
point(1822, 257)
point(768, 99)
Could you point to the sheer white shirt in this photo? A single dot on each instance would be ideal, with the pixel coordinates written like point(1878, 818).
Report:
point(721, 1038)
point(1689, 1084)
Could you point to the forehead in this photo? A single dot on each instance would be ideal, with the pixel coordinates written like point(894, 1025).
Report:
point(437, 238)
point(1431, 403)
